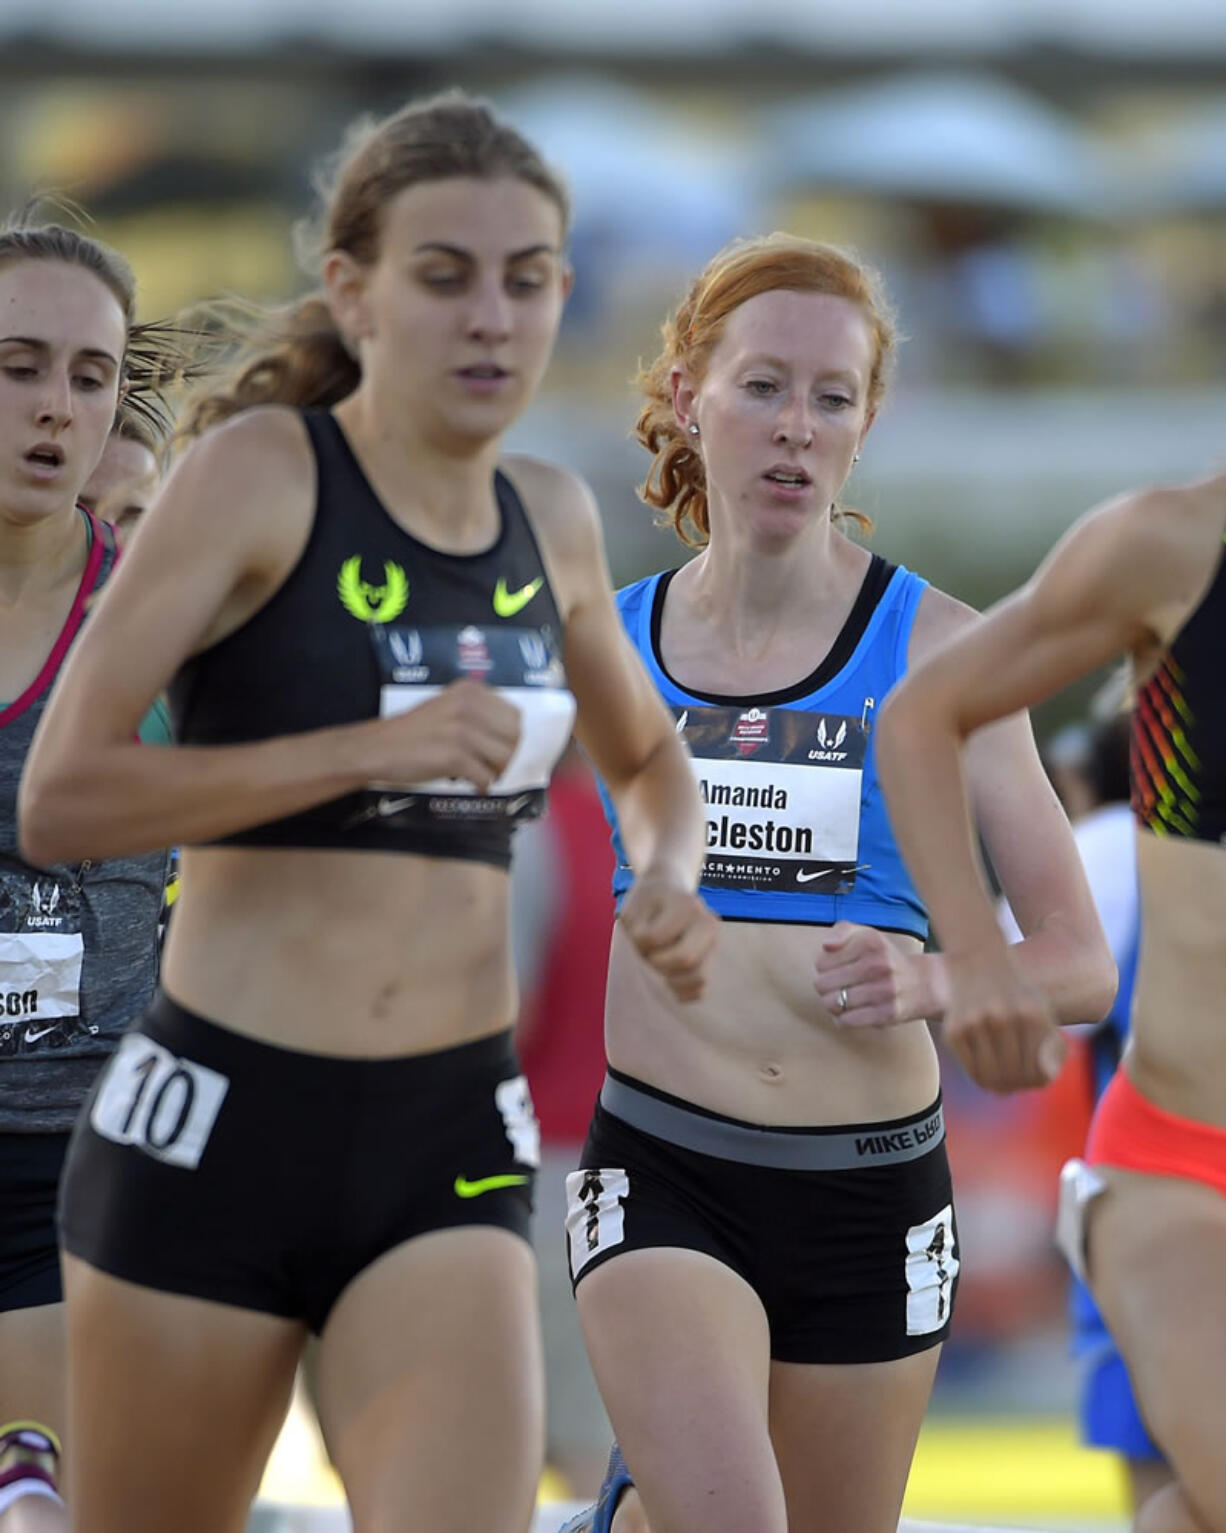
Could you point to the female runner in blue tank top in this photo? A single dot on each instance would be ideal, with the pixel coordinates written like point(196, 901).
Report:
point(762, 1233)
point(375, 631)
point(1145, 576)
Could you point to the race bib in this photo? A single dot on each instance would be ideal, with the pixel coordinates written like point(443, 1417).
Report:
point(157, 1102)
point(521, 663)
point(41, 953)
point(931, 1266)
point(40, 988)
point(40, 975)
point(595, 1213)
point(514, 1103)
point(782, 792)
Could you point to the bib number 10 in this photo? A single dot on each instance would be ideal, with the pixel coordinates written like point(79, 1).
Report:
point(156, 1102)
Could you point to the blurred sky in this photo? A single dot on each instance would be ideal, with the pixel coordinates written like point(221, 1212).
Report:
point(1111, 26)
point(1042, 184)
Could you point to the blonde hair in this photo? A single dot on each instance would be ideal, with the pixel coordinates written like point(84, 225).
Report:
point(676, 482)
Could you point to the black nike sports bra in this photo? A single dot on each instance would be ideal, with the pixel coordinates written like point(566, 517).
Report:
point(370, 622)
point(1178, 756)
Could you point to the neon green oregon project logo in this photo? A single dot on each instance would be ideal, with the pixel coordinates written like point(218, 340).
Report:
point(372, 604)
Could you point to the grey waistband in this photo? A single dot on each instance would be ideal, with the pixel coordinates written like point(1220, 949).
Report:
point(817, 1149)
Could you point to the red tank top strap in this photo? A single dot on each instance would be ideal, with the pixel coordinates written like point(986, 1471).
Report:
point(101, 542)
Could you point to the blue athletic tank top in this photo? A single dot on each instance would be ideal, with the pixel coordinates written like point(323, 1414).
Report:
point(796, 825)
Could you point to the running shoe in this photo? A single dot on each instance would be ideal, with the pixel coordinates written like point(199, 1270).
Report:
point(30, 1452)
point(599, 1518)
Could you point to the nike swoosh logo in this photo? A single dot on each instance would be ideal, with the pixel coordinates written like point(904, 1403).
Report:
point(508, 603)
point(514, 805)
point(466, 1189)
point(803, 877)
point(387, 806)
point(32, 1037)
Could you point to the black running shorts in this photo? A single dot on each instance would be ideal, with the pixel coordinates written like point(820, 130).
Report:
point(206, 1162)
point(30, 1166)
point(846, 1234)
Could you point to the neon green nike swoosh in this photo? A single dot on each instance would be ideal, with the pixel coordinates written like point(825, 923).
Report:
point(508, 603)
point(466, 1189)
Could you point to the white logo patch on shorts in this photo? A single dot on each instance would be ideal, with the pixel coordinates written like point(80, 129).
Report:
point(931, 1266)
point(157, 1102)
point(595, 1213)
point(514, 1102)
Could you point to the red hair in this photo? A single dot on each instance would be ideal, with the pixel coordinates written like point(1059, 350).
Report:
point(676, 483)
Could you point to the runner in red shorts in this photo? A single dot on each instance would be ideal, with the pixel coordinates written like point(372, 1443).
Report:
point(1144, 575)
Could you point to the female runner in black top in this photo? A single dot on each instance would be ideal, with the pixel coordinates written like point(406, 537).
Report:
point(375, 629)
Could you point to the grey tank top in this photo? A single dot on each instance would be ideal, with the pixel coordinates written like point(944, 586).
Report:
point(78, 941)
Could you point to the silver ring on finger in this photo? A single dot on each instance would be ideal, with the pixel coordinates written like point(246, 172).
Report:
point(843, 999)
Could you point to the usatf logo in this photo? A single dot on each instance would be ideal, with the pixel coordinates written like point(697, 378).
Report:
point(829, 743)
point(368, 603)
point(534, 651)
point(406, 646)
point(44, 904)
point(751, 731)
point(542, 668)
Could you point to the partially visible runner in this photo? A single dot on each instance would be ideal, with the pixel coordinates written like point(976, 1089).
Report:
point(562, 922)
point(1144, 575)
point(1108, 1413)
point(374, 655)
point(1088, 765)
point(763, 1236)
point(78, 937)
point(119, 492)
point(126, 476)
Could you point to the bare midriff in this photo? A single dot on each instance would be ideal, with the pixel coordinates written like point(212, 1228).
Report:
point(1177, 1052)
point(759, 1045)
point(338, 952)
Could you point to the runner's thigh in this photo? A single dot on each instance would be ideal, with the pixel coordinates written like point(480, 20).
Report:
point(681, 1350)
point(1156, 1253)
point(844, 1436)
point(174, 1405)
point(430, 1389)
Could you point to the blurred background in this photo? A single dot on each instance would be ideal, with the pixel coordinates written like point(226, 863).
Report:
point(1042, 184)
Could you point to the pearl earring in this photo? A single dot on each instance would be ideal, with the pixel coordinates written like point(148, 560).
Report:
point(693, 429)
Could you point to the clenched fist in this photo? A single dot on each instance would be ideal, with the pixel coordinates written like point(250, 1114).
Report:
point(998, 1025)
point(673, 930)
point(865, 980)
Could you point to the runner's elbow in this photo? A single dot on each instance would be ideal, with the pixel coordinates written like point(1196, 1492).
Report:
point(1103, 983)
point(1091, 987)
point(48, 817)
